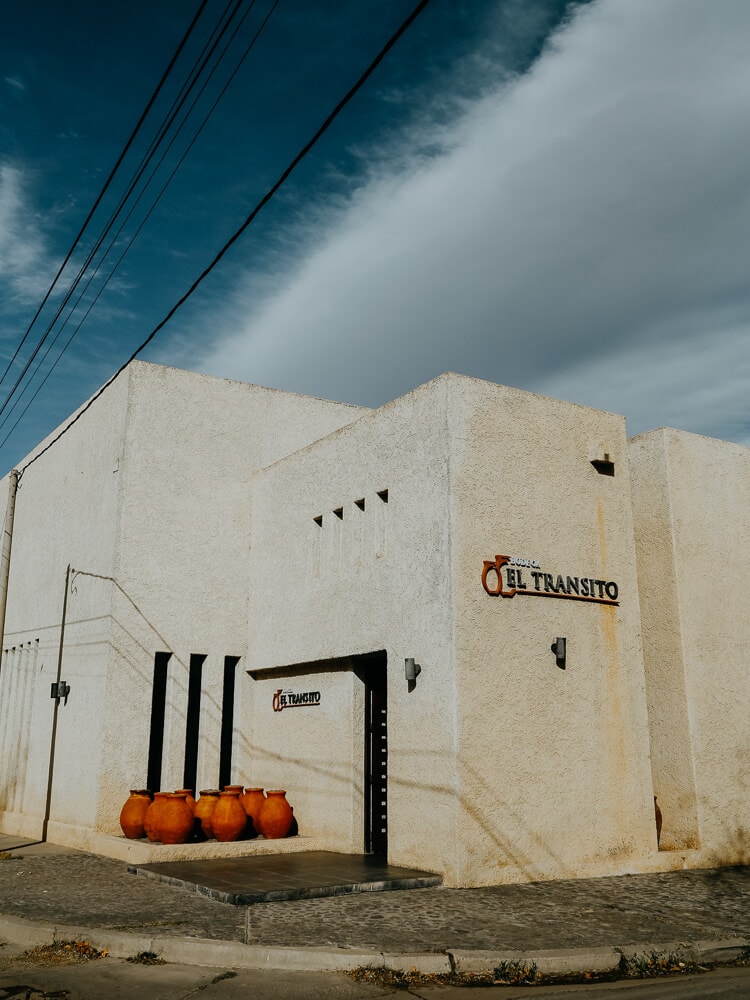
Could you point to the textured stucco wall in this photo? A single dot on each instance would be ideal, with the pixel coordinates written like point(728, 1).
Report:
point(693, 529)
point(66, 512)
point(375, 579)
point(669, 722)
point(216, 518)
point(183, 552)
point(315, 751)
point(151, 489)
point(555, 778)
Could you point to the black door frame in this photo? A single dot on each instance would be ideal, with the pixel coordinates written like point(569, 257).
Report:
point(372, 669)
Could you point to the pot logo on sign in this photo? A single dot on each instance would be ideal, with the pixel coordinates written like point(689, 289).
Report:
point(290, 699)
point(506, 576)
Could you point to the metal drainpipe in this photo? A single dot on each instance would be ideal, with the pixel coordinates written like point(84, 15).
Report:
point(56, 709)
point(5, 563)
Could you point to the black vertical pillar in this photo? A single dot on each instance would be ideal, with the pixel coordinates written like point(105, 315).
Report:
point(227, 721)
point(156, 732)
point(192, 724)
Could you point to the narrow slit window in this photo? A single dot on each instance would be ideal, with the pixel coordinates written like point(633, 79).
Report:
point(156, 732)
point(227, 720)
point(193, 721)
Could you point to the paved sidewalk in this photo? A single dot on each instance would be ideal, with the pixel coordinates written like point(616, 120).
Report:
point(84, 890)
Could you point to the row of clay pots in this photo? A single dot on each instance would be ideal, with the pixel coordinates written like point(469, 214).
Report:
point(176, 817)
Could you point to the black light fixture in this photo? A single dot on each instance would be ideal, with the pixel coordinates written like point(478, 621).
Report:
point(412, 670)
point(58, 690)
point(558, 647)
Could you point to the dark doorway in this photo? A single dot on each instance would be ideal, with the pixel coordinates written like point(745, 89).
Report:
point(372, 670)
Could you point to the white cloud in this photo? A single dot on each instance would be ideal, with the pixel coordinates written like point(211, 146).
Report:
point(23, 257)
point(582, 231)
point(694, 382)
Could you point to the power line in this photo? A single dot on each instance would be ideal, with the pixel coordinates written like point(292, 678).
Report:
point(123, 200)
point(145, 219)
point(405, 25)
point(198, 68)
point(108, 181)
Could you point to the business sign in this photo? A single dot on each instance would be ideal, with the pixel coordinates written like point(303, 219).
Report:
point(506, 576)
point(293, 699)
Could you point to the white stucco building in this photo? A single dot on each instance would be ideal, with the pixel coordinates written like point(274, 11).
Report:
point(252, 569)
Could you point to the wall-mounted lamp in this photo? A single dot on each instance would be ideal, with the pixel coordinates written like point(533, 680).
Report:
point(558, 648)
point(58, 690)
point(412, 670)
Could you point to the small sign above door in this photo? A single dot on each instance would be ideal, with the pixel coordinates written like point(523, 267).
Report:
point(293, 699)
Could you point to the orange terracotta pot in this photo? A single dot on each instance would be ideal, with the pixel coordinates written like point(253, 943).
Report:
point(228, 819)
point(276, 815)
point(252, 802)
point(189, 797)
point(133, 813)
point(152, 816)
point(204, 809)
point(175, 822)
point(234, 788)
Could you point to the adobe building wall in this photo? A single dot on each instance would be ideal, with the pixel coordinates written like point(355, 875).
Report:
point(148, 497)
point(302, 547)
point(339, 572)
point(692, 520)
point(555, 779)
point(67, 510)
point(193, 443)
point(314, 752)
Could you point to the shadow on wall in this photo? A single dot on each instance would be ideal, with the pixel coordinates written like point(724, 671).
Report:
point(508, 852)
point(17, 698)
point(514, 843)
point(180, 680)
point(732, 845)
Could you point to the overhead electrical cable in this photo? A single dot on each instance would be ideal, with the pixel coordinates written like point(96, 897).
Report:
point(94, 273)
point(132, 240)
point(162, 132)
point(333, 115)
point(108, 181)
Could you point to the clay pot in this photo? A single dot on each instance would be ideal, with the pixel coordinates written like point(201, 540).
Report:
point(189, 797)
point(234, 788)
point(658, 817)
point(152, 815)
point(228, 819)
point(204, 808)
point(174, 823)
point(252, 802)
point(133, 813)
point(276, 815)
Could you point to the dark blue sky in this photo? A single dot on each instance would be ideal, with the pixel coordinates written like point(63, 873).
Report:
point(511, 195)
point(76, 77)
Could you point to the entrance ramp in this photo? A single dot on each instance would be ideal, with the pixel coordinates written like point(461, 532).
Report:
point(274, 878)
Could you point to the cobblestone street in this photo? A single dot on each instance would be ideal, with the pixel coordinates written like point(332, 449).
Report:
point(76, 888)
